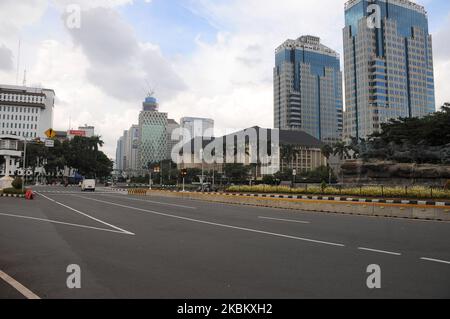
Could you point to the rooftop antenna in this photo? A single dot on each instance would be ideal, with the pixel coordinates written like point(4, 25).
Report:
point(25, 77)
point(150, 92)
point(18, 63)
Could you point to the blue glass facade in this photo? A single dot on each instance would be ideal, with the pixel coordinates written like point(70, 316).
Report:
point(308, 89)
point(400, 80)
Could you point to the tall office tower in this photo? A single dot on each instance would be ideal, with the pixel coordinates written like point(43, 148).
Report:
point(197, 127)
point(172, 137)
point(388, 64)
point(308, 88)
point(131, 150)
point(26, 112)
point(119, 154)
point(152, 134)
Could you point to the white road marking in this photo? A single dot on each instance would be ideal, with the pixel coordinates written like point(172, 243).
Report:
point(86, 215)
point(151, 201)
point(380, 251)
point(18, 286)
point(436, 260)
point(286, 220)
point(67, 224)
point(216, 224)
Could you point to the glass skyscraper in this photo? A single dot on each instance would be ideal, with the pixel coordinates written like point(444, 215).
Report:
point(308, 89)
point(388, 65)
point(152, 134)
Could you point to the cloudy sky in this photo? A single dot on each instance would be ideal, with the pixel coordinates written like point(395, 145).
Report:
point(209, 58)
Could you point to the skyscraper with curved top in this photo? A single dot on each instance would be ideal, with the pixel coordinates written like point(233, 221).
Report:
point(388, 62)
point(308, 88)
point(152, 134)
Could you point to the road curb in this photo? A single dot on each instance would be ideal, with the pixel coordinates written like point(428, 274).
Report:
point(425, 210)
point(12, 195)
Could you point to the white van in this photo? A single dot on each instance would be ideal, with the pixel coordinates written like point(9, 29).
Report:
point(88, 185)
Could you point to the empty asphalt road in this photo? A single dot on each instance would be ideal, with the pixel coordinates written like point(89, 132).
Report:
point(155, 247)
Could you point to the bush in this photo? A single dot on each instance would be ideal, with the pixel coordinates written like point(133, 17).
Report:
point(17, 183)
point(270, 180)
point(447, 185)
point(13, 191)
point(419, 192)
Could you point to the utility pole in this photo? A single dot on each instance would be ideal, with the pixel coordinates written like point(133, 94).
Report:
point(201, 157)
point(24, 163)
point(183, 175)
point(150, 179)
point(160, 174)
point(294, 174)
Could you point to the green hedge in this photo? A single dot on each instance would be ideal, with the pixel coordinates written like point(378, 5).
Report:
point(13, 191)
point(418, 192)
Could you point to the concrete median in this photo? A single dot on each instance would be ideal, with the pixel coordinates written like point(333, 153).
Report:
point(411, 211)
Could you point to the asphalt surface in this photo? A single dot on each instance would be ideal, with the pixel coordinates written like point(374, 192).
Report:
point(156, 247)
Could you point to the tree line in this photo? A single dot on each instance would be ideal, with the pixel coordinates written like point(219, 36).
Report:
point(80, 153)
point(405, 140)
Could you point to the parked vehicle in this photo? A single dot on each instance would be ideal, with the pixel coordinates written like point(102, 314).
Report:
point(88, 185)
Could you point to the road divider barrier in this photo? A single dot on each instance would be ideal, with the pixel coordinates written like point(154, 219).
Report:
point(138, 191)
point(425, 210)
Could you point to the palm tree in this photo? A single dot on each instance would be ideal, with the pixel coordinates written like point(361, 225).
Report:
point(288, 153)
point(327, 151)
point(341, 149)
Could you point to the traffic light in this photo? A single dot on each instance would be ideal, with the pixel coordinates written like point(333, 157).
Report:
point(184, 172)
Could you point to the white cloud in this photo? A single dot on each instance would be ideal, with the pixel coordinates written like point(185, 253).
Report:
point(17, 14)
point(442, 62)
point(230, 79)
point(6, 58)
point(119, 64)
point(78, 99)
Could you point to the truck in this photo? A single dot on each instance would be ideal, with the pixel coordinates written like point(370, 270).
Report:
point(88, 185)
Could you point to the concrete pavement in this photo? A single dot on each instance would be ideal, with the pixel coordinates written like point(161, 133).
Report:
point(156, 247)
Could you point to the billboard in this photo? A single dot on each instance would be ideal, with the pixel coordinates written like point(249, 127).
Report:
point(77, 133)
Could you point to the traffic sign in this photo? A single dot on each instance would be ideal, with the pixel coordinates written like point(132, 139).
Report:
point(49, 143)
point(50, 133)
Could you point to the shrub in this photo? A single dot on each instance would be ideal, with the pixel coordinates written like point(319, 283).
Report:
point(17, 183)
point(419, 192)
point(13, 191)
point(447, 185)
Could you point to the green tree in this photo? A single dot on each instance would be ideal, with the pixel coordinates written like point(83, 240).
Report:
point(341, 149)
point(288, 153)
point(327, 151)
point(412, 140)
point(237, 173)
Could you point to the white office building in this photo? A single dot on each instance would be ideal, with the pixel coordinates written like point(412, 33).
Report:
point(26, 112)
point(197, 127)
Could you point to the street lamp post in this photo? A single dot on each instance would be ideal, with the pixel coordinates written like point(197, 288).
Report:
point(161, 174)
point(294, 174)
point(201, 157)
point(150, 179)
point(24, 163)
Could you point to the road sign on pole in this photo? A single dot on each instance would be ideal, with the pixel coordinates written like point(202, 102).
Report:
point(50, 133)
point(49, 143)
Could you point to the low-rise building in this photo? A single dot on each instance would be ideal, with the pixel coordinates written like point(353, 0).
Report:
point(268, 151)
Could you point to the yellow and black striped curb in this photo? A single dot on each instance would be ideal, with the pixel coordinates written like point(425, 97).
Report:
point(310, 198)
point(12, 195)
